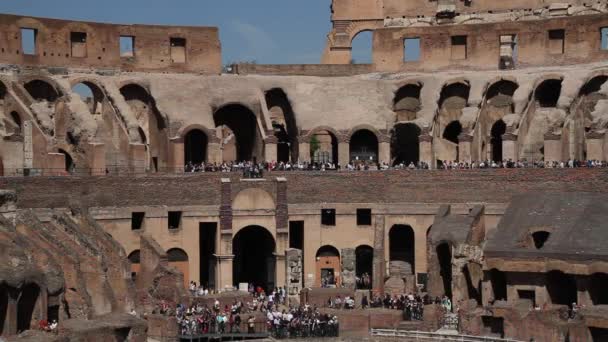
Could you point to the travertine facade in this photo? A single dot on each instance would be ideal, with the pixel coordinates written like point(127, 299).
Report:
point(495, 81)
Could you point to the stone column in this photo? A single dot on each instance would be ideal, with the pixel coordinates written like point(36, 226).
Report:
point(270, 148)
point(509, 147)
point(378, 270)
point(465, 141)
point(343, 153)
point(595, 146)
point(176, 156)
point(138, 158)
point(97, 159)
point(304, 152)
point(425, 147)
point(225, 257)
point(384, 152)
point(282, 225)
point(348, 261)
point(223, 276)
point(553, 147)
point(293, 271)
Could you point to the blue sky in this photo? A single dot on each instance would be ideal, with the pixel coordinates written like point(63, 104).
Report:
point(267, 31)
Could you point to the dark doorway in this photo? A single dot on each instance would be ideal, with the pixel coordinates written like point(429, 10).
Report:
point(195, 147)
point(598, 288)
point(364, 256)
point(498, 129)
point(598, 334)
point(547, 93)
point(498, 280)
point(493, 326)
point(68, 161)
point(3, 306)
point(402, 245)
point(207, 236)
point(41, 91)
point(52, 313)
point(283, 124)
point(323, 147)
point(26, 306)
point(364, 146)
point(444, 254)
point(243, 124)
point(296, 235)
point(406, 144)
point(254, 263)
point(561, 288)
point(452, 131)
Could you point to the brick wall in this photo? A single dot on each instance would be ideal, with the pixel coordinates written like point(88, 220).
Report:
point(323, 70)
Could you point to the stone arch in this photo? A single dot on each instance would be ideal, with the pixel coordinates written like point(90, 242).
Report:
point(402, 248)
point(405, 143)
point(452, 131)
point(406, 102)
point(26, 306)
point(547, 92)
point(362, 47)
point(453, 99)
point(323, 143)
point(253, 199)
point(178, 258)
point(97, 96)
point(42, 90)
point(364, 146)
point(443, 251)
point(328, 267)
point(242, 122)
point(16, 121)
point(499, 128)
point(254, 262)
point(561, 288)
point(196, 145)
point(135, 261)
point(153, 124)
point(364, 259)
point(283, 123)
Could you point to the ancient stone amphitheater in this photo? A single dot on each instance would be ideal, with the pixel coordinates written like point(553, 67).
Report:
point(98, 217)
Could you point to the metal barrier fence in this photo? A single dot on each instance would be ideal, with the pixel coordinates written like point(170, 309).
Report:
point(434, 336)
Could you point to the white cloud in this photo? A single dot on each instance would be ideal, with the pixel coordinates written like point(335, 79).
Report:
point(259, 43)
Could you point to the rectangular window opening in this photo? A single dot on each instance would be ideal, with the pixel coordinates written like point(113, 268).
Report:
point(178, 50)
point(604, 38)
point(174, 220)
point(328, 217)
point(296, 235)
point(459, 47)
point(364, 217)
point(556, 41)
point(28, 41)
point(127, 46)
point(411, 49)
point(137, 220)
point(527, 295)
point(508, 51)
point(78, 42)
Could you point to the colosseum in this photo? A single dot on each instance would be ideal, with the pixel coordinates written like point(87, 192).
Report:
point(465, 165)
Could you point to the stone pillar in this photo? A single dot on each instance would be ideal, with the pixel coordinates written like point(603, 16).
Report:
point(384, 152)
point(225, 257)
point(348, 260)
point(214, 153)
point(464, 147)
point(97, 159)
point(378, 272)
point(176, 156)
point(138, 158)
point(282, 225)
point(223, 276)
point(553, 147)
point(304, 152)
point(509, 147)
point(595, 146)
point(293, 271)
point(343, 153)
point(426, 149)
point(226, 206)
point(10, 320)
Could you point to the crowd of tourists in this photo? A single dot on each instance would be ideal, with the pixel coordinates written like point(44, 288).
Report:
point(256, 169)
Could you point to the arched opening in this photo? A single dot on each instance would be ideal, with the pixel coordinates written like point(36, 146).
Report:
point(134, 259)
point(402, 248)
point(242, 122)
point(598, 284)
point(41, 91)
point(500, 94)
point(407, 102)
point(328, 267)
point(283, 124)
point(364, 146)
point(364, 259)
point(444, 254)
point(405, 144)
point(361, 44)
point(561, 288)
point(91, 95)
point(68, 161)
point(498, 280)
point(16, 122)
point(452, 131)
point(3, 306)
point(323, 147)
point(178, 258)
point(454, 96)
point(254, 262)
point(498, 129)
point(547, 93)
point(540, 238)
point(2, 91)
point(195, 147)
point(26, 306)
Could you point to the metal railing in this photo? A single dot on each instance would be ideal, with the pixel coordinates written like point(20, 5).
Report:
point(434, 336)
